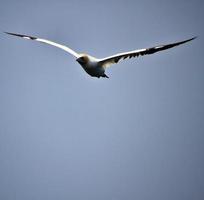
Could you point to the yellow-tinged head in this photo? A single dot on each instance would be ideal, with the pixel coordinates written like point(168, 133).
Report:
point(83, 59)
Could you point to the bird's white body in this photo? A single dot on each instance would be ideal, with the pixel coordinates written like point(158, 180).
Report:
point(91, 65)
point(96, 67)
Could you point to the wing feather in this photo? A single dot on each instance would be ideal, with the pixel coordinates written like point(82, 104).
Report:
point(65, 48)
point(106, 62)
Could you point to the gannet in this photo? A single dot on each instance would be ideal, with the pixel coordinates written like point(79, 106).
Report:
point(96, 67)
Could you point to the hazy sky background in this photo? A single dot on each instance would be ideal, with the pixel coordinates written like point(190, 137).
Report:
point(65, 135)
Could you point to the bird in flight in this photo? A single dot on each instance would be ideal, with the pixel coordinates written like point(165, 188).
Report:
point(96, 67)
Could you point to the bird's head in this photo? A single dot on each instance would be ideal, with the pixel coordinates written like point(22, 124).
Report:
point(83, 59)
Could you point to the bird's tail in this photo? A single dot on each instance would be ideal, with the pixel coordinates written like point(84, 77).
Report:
point(105, 76)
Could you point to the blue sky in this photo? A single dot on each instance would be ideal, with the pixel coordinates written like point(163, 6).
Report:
point(136, 135)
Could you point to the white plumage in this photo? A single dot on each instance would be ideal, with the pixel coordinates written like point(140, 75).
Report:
point(96, 67)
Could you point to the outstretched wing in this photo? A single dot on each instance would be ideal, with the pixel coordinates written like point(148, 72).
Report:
point(105, 62)
point(46, 42)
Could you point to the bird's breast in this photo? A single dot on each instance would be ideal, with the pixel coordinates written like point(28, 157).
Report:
point(93, 69)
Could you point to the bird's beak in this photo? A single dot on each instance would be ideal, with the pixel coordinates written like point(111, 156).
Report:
point(80, 60)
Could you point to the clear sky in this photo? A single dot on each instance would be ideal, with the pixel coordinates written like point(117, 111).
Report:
point(137, 135)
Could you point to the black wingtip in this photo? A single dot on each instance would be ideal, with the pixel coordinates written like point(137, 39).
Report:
point(6, 32)
point(182, 42)
point(188, 40)
point(14, 34)
point(20, 35)
point(193, 38)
